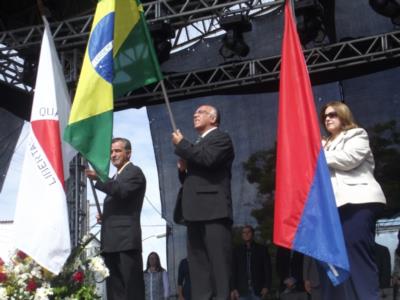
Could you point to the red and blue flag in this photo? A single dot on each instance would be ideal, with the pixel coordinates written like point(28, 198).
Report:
point(306, 218)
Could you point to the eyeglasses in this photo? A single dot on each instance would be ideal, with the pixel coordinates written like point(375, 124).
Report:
point(331, 115)
point(201, 112)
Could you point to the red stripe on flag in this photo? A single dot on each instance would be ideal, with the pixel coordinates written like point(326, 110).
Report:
point(47, 132)
point(298, 137)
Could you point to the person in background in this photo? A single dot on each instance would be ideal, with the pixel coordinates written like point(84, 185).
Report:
point(311, 278)
point(155, 279)
point(289, 267)
point(184, 280)
point(121, 235)
point(252, 271)
point(396, 270)
point(384, 269)
point(359, 199)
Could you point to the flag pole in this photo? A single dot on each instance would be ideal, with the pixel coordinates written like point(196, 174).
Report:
point(171, 116)
point(96, 199)
point(157, 65)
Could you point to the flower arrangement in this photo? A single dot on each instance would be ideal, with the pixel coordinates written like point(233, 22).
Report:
point(24, 279)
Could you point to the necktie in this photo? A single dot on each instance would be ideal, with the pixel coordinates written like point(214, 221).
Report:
point(199, 138)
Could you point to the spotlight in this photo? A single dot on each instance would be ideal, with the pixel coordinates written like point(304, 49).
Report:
point(310, 21)
point(233, 42)
point(162, 32)
point(387, 8)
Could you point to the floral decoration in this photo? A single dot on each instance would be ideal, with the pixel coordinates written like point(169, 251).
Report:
point(23, 279)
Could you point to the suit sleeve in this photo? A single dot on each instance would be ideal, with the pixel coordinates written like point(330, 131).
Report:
point(130, 181)
point(354, 151)
point(210, 154)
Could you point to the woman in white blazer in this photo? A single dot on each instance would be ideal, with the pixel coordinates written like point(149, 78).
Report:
point(359, 199)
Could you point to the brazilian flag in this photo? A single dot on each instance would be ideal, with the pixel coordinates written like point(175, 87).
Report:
point(119, 58)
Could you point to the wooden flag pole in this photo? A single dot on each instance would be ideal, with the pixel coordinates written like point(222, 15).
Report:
point(96, 199)
point(171, 117)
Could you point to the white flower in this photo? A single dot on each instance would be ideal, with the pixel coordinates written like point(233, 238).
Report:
point(42, 293)
point(87, 237)
point(3, 294)
point(96, 264)
point(36, 272)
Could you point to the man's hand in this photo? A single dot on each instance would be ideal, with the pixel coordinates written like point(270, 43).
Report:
point(264, 293)
point(235, 295)
point(182, 165)
point(91, 174)
point(307, 286)
point(98, 218)
point(177, 137)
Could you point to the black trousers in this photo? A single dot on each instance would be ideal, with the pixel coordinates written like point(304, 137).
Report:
point(126, 275)
point(209, 246)
point(358, 224)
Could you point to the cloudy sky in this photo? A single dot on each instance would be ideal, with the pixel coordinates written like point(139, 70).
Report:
point(132, 124)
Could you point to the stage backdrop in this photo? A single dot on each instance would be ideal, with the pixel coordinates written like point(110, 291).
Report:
point(251, 118)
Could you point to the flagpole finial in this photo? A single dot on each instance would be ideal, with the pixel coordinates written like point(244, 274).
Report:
point(43, 10)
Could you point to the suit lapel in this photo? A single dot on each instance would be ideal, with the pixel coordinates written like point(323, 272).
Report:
point(338, 140)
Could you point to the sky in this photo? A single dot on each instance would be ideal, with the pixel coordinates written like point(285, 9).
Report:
point(132, 124)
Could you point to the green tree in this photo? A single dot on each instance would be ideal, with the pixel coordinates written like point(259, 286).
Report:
point(260, 170)
point(385, 144)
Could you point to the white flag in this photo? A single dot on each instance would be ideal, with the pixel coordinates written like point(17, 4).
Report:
point(41, 215)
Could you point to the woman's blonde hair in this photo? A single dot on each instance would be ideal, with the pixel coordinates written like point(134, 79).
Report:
point(343, 112)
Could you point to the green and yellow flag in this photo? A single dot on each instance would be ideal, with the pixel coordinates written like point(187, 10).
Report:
point(119, 58)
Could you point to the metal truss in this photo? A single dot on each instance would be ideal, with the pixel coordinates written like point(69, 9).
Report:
point(180, 14)
point(380, 51)
point(192, 21)
point(77, 201)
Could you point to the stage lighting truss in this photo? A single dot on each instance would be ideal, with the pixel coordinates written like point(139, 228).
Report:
point(192, 21)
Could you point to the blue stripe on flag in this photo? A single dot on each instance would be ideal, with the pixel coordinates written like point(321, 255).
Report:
point(319, 233)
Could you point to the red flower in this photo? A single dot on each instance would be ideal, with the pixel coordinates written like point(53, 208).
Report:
point(21, 255)
point(1, 262)
point(31, 286)
point(78, 276)
point(3, 277)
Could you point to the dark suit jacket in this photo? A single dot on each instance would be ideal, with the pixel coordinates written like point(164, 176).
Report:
point(382, 258)
point(206, 193)
point(120, 227)
point(310, 271)
point(260, 266)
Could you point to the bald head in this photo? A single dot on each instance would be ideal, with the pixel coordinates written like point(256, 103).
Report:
point(205, 118)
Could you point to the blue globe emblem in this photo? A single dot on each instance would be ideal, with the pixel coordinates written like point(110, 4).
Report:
point(100, 47)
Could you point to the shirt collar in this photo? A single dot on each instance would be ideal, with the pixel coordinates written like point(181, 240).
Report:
point(123, 167)
point(208, 131)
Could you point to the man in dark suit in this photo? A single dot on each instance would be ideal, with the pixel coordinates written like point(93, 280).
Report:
point(121, 237)
point(207, 204)
point(252, 271)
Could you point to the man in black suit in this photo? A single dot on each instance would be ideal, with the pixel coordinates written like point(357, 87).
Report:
point(121, 236)
point(252, 271)
point(207, 204)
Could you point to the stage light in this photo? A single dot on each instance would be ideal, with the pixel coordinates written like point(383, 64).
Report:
point(233, 42)
point(162, 32)
point(310, 21)
point(387, 8)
